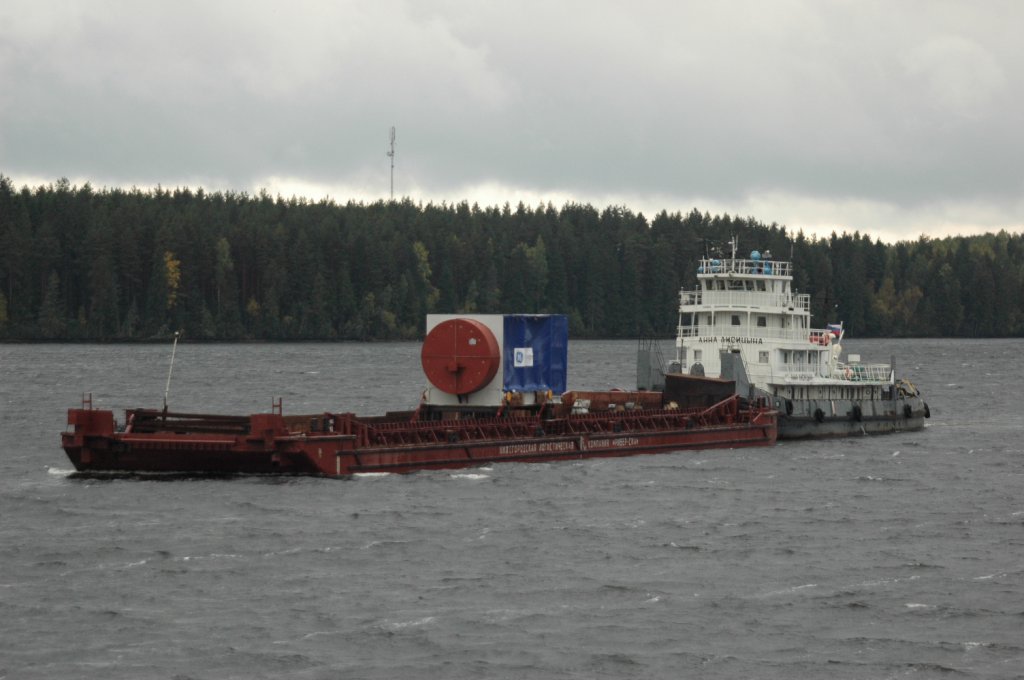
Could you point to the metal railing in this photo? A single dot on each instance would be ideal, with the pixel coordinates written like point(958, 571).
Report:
point(862, 372)
point(742, 299)
point(735, 266)
point(812, 336)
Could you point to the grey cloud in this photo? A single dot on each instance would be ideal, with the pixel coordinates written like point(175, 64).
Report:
point(903, 105)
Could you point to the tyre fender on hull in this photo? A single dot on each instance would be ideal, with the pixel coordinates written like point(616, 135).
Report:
point(858, 415)
point(819, 415)
point(927, 411)
point(907, 411)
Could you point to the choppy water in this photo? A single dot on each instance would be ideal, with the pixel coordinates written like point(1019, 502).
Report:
point(884, 557)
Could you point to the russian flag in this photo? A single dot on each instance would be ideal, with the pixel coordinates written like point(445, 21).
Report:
point(835, 329)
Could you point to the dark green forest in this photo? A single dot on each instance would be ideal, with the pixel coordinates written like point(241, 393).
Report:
point(77, 264)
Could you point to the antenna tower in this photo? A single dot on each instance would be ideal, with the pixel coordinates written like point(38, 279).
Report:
point(391, 155)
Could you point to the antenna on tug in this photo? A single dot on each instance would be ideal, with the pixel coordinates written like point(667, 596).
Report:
point(391, 155)
point(170, 368)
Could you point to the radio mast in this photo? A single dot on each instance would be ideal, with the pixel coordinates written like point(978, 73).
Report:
point(391, 155)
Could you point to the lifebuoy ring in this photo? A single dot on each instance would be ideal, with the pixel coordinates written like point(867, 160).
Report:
point(819, 415)
point(858, 415)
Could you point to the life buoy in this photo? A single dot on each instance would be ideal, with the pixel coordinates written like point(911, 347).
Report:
point(927, 411)
point(819, 415)
point(907, 411)
point(858, 415)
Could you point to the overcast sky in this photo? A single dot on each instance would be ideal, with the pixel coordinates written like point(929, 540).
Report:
point(892, 118)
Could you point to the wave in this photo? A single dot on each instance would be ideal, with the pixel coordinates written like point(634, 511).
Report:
point(401, 625)
point(788, 591)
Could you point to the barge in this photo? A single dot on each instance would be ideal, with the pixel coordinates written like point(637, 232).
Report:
point(496, 394)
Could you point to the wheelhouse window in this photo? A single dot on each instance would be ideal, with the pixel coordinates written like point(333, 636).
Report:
point(735, 319)
point(762, 322)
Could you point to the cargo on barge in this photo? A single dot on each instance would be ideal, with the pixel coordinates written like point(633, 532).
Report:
point(497, 393)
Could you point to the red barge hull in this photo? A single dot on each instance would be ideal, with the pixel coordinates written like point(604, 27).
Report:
point(342, 444)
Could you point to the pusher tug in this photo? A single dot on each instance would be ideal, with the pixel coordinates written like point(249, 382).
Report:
point(497, 393)
point(745, 322)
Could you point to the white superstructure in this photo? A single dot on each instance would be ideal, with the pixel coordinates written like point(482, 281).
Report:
point(749, 306)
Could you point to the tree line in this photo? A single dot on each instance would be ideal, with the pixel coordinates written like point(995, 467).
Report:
point(77, 264)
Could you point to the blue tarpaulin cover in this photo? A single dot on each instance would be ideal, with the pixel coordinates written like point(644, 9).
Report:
point(536, 352)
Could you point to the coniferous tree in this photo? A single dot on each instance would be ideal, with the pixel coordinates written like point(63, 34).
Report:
point(52, 323)
point(135, 265)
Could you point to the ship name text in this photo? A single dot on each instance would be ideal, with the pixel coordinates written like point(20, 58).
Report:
point(732, 339)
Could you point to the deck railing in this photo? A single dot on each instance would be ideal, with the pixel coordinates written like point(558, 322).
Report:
point(815, 337)
point(854, 373)
point(742, 299)
point(862, 372)
point(735, 266)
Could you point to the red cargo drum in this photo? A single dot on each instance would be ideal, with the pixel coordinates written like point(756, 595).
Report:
point(460, 356)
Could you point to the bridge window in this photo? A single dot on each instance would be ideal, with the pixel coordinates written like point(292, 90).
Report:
point(762, 322)
point(735, 319)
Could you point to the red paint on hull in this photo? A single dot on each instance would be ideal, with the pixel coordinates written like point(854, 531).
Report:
point(344, 444)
